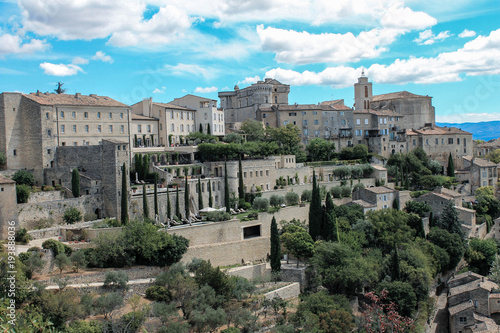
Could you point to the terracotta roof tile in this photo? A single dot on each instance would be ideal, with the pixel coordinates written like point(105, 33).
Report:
point(5, 180)
point(73, 100)
point(397, 95)
point(141, 117)
point(172, 106)
point(460, 307)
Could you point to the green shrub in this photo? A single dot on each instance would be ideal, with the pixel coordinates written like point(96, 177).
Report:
point(132, 321)
point(346, 191)
point(218, 216)
point(56, 246)
point(261, 204)
point(23, 193)
point(89, 217)
point(23, 177)
point(276, 200)
point(306, 195)
point(246, 205)
point(291, 198)
point(336, 192)
point(116, 280)
point(22, 236)
point(159, 294)
point(358, 186)
point(72, 215)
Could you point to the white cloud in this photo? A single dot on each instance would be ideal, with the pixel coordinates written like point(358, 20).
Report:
point(303, 48)
point(250, 80)
point(80, 61)
point(467, 117)
point(427, 37)
point(60, 69)
point(99, 55)
point(405, 18)
point(159, 91)
point(13, 44)
point(480, 56)
point(8, 71)
point(183, 69)
point(205, 90)
point(90, 19)
point(467, 33)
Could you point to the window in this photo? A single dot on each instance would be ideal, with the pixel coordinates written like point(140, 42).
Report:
point(62, 114)
point(99, 129)
point(244, 175)
point(85, 115)
point(74, 128)
point(161, 127)
point(359, 132)
point(73, 114)
point(442, 141)
point(47, 115)
point(316, 122)
point(427, 141)
point(306, 132)
point(381, 121)
point(276, 99)
point(182, 127)
point(366, 91)
point(86, 128)
point(285, 122)
point(304, 122)
point(110, 128)
point(139, 129)
point(121, 115)
point(341, 113)
point(264, 115)
point(315, 113)
point(267, 172)
point(110, 115)
point(182, 114)
point(358, 121)
point(437, 141)
point(462, 320)
point(366, 121)
point(344, 122)
point(292, 114)
point(450, 141)
point(122, 129)
point(251, 174)
point(14, 152)
point(172, 114)
point(75, 143)
point(149, 128)
point(172, 127)
point(62, 128)
point(316, 133)
point(98, 115)
point(49, 132)
point(458, 141)
point(414, 142)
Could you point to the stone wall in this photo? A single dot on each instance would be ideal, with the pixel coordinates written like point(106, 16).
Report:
point(31, 213)
point(37, 197)
point(223, 242)
point(56, 230)
point(252, 272)
point(286, 292)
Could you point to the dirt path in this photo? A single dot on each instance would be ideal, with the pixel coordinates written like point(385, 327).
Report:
point(440, 323)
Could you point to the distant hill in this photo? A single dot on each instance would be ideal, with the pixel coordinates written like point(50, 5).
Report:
point(486, 130)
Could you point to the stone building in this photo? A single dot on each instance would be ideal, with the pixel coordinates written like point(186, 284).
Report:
point(144, 131)
point(485, 148)
point(375, 198)
point(33, 126)
point(100, 169)
point(439, 142)
point(8, 203)
point(174, 121)
point(471, 303)
point(242, 104)
point(330, 120)
point(479, 173)
point(207, 114)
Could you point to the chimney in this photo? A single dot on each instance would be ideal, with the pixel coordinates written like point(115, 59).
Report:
point(38, 93)
point(93, 95)
point(78, 95)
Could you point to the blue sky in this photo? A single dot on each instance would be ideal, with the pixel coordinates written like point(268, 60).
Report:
point(129, 50)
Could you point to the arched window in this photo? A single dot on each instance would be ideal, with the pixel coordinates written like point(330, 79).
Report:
point(366, 91)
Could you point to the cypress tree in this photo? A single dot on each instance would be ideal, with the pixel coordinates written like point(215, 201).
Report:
point(145, 209)
point(421, 231)
point(138, 166)
point(177, 204)
point(208, 129)
point(210, 200)
point(450, 170)
point(156, 194)
point(395, 204)
point(431, 220)
point(186, 197)
point(145, 166)
point(124, 210)
point(169, 206)
point(200, 197)
point(226, 190)
point(201, 128)
point(329, 224)
point(75, 183)
point(395, 264)
point(315, 211)
point(241, 188)
point(275, 247)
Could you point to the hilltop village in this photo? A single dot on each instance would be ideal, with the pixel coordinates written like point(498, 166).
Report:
point(247, 214)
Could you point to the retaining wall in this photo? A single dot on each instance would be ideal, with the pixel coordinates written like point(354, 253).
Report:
point(286, 292)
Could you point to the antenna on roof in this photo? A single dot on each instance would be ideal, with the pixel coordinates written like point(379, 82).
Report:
point(362, 72)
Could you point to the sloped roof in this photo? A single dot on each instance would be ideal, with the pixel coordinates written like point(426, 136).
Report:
point(73, 100)
point(5, 180)
point(435, 130)
point(172, 106)
point(141, 117)
point(479, 161)
point(338, 104)
point(380, 189)
point(453, 310)
point(362, 203)
point(397, 95)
